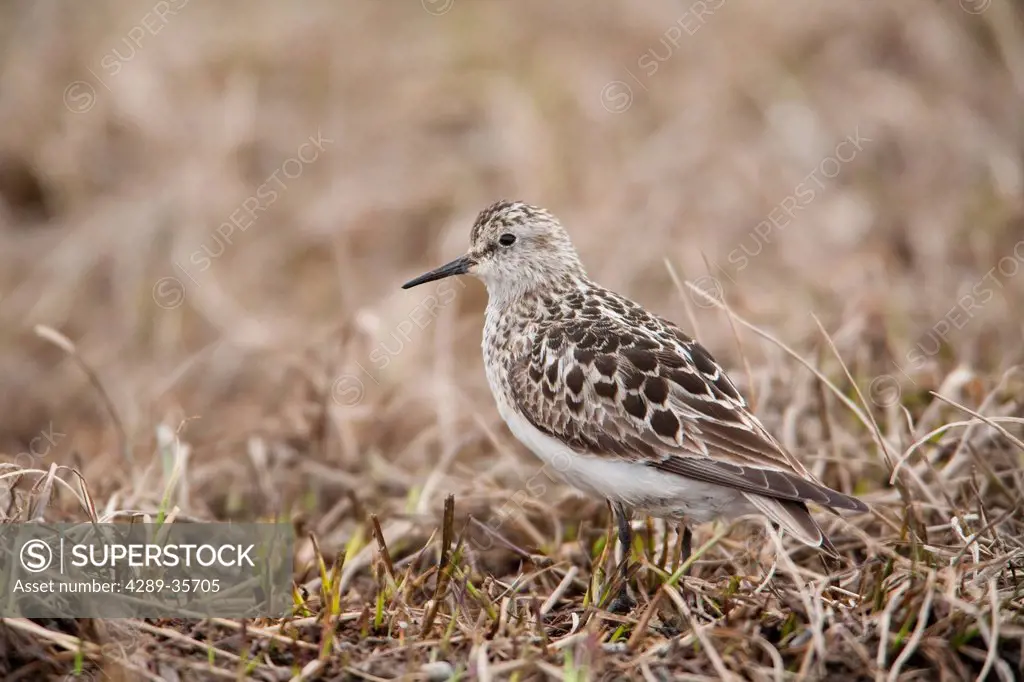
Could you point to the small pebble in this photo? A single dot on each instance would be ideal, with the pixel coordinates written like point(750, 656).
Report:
point(438, 671)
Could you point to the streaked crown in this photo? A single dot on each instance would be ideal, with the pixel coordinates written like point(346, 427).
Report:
point(517, 247)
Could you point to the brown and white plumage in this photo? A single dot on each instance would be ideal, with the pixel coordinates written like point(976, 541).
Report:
point(618, 401)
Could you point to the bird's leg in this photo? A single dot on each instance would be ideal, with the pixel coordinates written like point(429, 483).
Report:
point(685, 547)
point(623, 603)
point(687, 535)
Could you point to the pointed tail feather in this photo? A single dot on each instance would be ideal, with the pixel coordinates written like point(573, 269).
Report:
point(793, 518)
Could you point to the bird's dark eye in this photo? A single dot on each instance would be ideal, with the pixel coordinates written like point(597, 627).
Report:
point(507, 239)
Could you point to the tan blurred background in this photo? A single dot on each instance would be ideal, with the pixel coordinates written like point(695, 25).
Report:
point(216, 204)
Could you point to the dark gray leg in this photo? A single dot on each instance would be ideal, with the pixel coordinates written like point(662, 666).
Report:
point(687, 543)
point(623, 603)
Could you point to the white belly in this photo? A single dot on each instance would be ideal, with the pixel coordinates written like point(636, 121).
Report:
point(636, 485)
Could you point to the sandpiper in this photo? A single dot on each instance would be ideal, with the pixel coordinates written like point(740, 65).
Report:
point(618, 401)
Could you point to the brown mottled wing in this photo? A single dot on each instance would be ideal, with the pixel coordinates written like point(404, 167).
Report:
point(636, 387)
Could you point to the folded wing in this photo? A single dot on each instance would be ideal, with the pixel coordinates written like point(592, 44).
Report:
point(642, 390)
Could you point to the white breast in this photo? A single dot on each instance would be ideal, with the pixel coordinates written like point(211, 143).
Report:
point(635, 485)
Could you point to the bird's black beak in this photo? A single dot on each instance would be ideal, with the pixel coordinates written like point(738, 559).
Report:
point(459, 266)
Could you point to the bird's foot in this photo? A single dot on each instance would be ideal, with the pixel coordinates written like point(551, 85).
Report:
point(623, 603)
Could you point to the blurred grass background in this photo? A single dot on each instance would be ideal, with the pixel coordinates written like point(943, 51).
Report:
point(135, 139)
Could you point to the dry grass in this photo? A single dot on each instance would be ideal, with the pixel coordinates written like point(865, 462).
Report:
point(878, 328)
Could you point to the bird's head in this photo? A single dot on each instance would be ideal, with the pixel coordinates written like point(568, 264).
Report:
point(514, 248)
